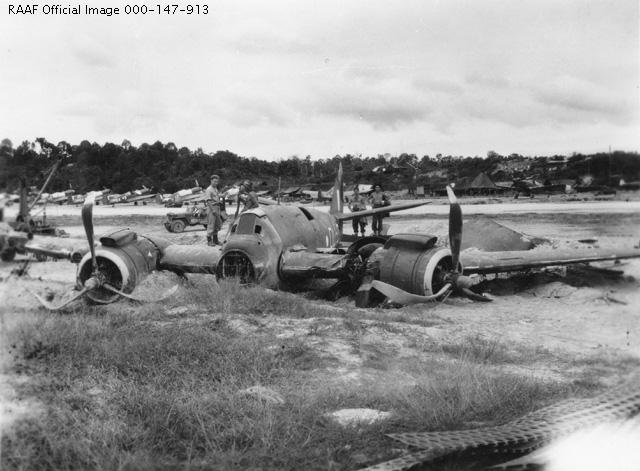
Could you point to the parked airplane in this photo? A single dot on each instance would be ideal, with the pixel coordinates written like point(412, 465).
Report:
point(180, 197)
point(9, 198)
point(136, 196)
point(59, 197)
point(294, 246)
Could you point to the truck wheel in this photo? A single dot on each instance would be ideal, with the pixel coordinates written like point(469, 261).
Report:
point(167, 226)
point(8, 255)
point(177, 226)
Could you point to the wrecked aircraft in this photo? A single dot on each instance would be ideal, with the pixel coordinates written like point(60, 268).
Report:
point(265, 245)
point(293, 247)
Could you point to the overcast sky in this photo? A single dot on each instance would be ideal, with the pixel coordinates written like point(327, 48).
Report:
point(278, 78)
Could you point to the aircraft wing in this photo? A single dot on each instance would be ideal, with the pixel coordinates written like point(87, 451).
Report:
point(192, 197)
point(135, 199)
point(496, 262)
point(381, 210)
point(190, 259)
point(306, 264)
point(73, 255)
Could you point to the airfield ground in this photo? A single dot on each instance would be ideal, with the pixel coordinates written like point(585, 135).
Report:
point(457, 364)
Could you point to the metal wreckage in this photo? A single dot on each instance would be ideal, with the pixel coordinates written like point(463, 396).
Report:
point(529, 442)
point(297, 247)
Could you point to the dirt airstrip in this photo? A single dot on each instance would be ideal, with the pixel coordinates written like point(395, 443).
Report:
point(572, 312)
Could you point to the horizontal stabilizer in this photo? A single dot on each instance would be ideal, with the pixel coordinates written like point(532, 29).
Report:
point(382, 210)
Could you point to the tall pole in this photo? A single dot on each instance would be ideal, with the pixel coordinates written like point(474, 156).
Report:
point(279, 178)
point(609, 175)
point(53, 170)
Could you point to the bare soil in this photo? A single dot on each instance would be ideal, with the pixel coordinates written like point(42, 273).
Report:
point(575, 310)
point(571, 313)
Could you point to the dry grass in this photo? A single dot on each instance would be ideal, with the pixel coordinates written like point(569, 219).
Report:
point(157, 387)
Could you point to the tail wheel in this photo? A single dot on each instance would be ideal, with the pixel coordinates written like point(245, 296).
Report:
point(178, 225)
point(236, 264)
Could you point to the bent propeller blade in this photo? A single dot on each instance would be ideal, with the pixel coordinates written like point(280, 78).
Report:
point(113, 289)
point(455, 228)
point(475, 296)
point(400, 296)
point(87, 222)
point(50, 306)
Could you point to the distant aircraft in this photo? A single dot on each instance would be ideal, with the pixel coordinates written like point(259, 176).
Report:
point(59, 197)
point(180, 197)
point(136, 196)
point(97, 195)
point(9, 198)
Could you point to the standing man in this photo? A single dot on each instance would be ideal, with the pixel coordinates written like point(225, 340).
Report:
point(378, 199)
point(247, 196)
point(212, 200)
point(357, 203)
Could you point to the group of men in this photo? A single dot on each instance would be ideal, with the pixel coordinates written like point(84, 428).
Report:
point(216, 210)
point(358, 202)
point(217, 214)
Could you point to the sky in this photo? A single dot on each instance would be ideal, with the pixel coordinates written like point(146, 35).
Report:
point(273, 79)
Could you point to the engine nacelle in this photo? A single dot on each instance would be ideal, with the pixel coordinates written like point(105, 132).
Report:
point(412, 262)
point(123, 259)
point(251, 260)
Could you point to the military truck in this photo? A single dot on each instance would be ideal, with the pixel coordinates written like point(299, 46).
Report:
point(177, 222)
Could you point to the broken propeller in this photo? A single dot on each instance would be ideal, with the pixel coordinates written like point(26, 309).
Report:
point(450, 277)
point(99, 278)
point(457, 281)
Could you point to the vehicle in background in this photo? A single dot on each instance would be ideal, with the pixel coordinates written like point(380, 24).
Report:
point(177, 222)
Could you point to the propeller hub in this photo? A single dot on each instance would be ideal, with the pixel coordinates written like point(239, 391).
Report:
point(95, 281)
point(463, 282)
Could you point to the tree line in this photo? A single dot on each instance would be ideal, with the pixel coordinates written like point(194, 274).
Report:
point(168, 168)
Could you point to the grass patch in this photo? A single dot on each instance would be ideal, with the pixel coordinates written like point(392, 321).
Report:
point(483, 350)
point(228, 296)
point(479, 349)
point(158, 387)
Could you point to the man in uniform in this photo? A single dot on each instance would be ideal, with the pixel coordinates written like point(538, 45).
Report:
point(248, 197)
point(378, 199)
point(212, 200)
point(358, 203)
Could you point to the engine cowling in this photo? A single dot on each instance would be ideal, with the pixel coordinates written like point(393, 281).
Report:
point(413, 263)
point(123, 259)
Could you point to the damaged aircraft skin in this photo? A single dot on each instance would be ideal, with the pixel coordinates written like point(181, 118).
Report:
point(295, 247)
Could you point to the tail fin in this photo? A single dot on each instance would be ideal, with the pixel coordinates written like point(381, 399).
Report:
point(24, 203)
point(337, 199)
